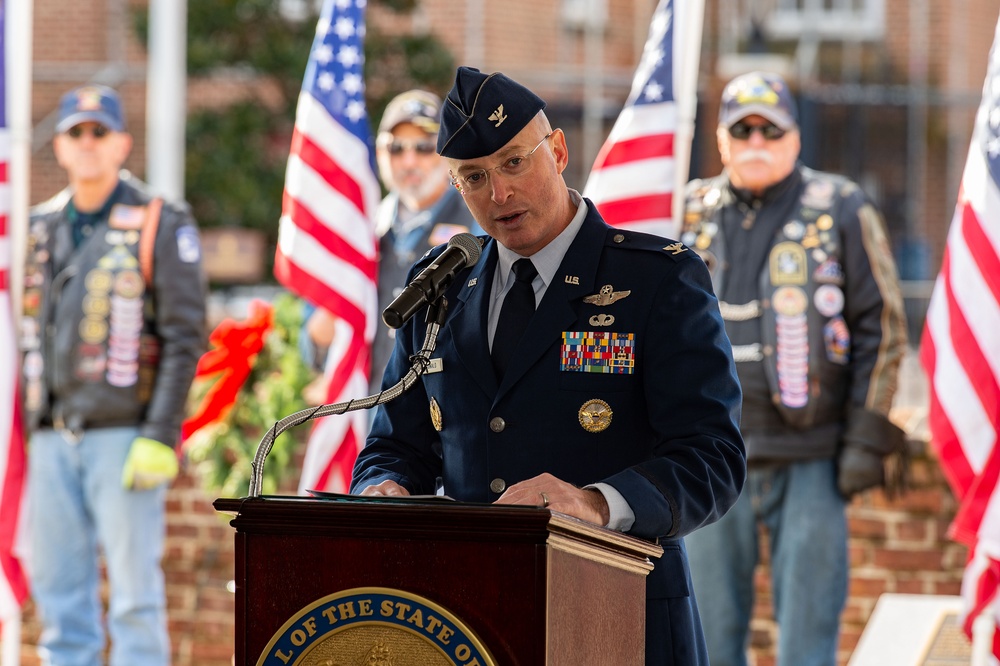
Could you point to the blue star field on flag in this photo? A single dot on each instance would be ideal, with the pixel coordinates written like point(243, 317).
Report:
point(335, 74)
point(653, 81)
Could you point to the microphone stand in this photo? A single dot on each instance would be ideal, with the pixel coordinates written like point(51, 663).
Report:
point(419, 362)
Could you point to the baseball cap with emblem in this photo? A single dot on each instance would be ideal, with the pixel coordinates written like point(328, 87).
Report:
point(418, 107)
point(483, 112)
point(91, 104)
point(758, 94)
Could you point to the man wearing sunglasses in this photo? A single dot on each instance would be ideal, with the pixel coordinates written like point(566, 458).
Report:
point(420, 211)
point(581, 367)
point(113, 326)
point(809, 293)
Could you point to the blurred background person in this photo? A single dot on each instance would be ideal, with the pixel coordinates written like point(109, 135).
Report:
point(809, 294)
point(114, 324)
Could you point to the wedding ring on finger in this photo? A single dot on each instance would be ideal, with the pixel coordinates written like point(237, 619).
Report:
point(545, 499)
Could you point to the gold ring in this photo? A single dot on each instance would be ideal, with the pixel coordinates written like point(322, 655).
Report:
point(545, 500)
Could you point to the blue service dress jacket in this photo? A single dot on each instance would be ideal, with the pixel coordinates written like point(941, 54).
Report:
point(624, 376)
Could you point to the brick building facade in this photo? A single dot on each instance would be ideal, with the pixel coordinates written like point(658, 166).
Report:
point(857, 88)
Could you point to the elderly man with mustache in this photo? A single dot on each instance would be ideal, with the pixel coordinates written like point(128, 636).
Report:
point(808, 290)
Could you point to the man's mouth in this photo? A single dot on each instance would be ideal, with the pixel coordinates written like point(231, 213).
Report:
point(512, 217)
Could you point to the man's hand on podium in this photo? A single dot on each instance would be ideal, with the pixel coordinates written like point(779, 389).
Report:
point(547, 491)
point(385, 489)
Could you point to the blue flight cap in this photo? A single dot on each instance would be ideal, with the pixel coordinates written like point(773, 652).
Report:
point(91, 104)
point(482, 113)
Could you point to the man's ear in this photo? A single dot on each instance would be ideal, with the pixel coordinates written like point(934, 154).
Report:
point(124, 146)
point(559, 149)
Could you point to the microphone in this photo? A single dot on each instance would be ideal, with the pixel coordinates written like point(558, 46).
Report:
point(463, 250)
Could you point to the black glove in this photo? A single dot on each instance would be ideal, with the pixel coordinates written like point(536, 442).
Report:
point(870, 443)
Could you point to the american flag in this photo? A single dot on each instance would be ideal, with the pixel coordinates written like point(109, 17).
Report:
point(960, 352)
point(13, 584)
point(326, 241)
point(632, 181)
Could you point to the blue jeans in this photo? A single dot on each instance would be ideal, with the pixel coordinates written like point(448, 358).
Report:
point(806, 520)
point(77, 506)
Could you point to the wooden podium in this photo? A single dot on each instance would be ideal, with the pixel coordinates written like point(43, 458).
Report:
point(320, 581)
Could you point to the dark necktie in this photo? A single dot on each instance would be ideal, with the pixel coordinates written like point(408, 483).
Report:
point(518, 306)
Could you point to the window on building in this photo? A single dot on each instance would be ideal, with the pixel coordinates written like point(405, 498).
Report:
point(827, 19)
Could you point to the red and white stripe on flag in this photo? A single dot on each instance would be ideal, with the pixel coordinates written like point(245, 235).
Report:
point(13, 466)
point(326, 241)
point(960, 352)
point(633, 178)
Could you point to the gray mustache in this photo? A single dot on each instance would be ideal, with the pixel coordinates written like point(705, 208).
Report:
point(755, 156)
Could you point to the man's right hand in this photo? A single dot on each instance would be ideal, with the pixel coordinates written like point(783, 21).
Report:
point(385, 489)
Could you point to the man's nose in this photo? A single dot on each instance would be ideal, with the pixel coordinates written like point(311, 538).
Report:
point(500, 189)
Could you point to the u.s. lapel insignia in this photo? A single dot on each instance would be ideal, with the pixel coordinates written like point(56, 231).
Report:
point(498, 116)
point(436, 420)
point(676, 248)
point(473, 282)
point(606, 296)
point(571, 279)
point(595, 415)
point(602, 320)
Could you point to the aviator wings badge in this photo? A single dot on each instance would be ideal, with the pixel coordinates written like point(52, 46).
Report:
point(606, 296)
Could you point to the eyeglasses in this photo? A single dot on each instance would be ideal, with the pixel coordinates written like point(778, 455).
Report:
point(96, 131)
point(513, 167)
point(742, 131)
point(420, 147)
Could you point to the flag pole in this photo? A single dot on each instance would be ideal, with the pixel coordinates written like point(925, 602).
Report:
point(689, 17)
point(18, 46)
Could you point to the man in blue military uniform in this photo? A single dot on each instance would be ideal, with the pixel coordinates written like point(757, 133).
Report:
point(614, 399)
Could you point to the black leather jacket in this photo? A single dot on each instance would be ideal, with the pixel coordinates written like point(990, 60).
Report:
point(809, 292)
point(100, 347)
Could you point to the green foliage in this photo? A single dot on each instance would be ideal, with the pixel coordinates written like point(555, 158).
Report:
point(395, 64)
point(235, 166)
point(222, 452)
point(236, 155)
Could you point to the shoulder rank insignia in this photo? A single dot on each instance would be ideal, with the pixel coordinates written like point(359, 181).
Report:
point(675, 248)
point(606, 296)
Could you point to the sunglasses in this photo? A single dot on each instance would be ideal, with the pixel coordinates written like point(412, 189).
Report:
point(96, 131)
point(398, 147)
point(742, 131)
